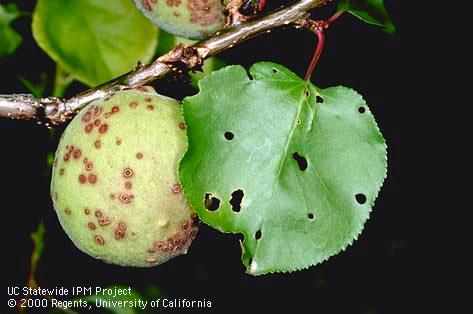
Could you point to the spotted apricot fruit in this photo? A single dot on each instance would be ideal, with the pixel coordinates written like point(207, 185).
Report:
point(192, 19)
point(114, 184)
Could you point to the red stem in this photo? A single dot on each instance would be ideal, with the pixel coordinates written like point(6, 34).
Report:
point(317, 53)
point(261, 5)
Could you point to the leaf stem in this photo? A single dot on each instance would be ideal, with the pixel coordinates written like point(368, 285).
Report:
point(318, 27)
point(333, 18)
point(317, 53)
point(62, 80)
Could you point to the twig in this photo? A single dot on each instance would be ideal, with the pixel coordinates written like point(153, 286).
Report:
point(53, 111)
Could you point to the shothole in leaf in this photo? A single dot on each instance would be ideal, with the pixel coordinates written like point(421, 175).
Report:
point(301, 161)
point(235, 201)
point(211, 203)
point(275, 71)
point(361, 110)
point(319, 99)
point(258, 235)
point(306, 93)
point(229, 135)
point(360, 198)
point(311, 216)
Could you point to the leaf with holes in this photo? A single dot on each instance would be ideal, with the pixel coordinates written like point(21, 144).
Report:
point(94, 40)
point(294, 168)
point(369, 11)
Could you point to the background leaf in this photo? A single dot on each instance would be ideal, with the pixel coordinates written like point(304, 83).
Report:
point(370, 11)
point(9, 38)
point(94, 40)
point(38, 244)
point(293, 168)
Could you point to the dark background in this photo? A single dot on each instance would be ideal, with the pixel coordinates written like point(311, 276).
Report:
point(383, 272)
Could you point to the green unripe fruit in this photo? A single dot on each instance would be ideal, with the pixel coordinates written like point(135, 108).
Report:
point(114, 184)
point(192, 19)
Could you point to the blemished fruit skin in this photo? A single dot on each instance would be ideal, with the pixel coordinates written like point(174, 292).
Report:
point(114, 182)
point(192, 19)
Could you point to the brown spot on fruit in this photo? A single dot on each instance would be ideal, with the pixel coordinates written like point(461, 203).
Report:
point(92, 178)
point(76, 154)
point(124, 198)
point(99, 240)
point(176, 188)
point(66, 157)
point(98, 213)
point(147, 5)
point(122, 226)
point(182, 126)
point(86, 117)
point(97, 111)
point(139, 155)
point(185, 225)
point(158, 245)
point(115, 109)
point(128, 185)
point(68, 211)
point(195, 220)
point(133, 104)
point(87, 211)
point(61, 171)
point(88, 166)
point(82, 178)
point(104, 221)
point(97, 122)
point(148, 99)
point(127, 173)
point(103, 128)
point(176, 14)
point(88, 128)
point(118, 141)
point(151, 260)
point(91, 226)
point(150, 107)
point(112, 196)
point(97, 144)
point(119, 234)
point(200, 12)
point(107, 115)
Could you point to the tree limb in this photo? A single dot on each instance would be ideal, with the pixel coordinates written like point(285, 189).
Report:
point(53, 111)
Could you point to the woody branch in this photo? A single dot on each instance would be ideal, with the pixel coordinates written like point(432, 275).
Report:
point(53, 111)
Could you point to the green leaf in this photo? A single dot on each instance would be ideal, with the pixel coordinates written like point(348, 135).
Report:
point(38, 244)
point(94, 40)
point(370, 11)
point(9, 38)
point(250, 138)
point(36, 88)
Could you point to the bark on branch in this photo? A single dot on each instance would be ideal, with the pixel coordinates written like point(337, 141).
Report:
point(53, 111)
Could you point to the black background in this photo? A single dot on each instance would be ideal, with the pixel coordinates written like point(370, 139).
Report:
point(383, 272)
